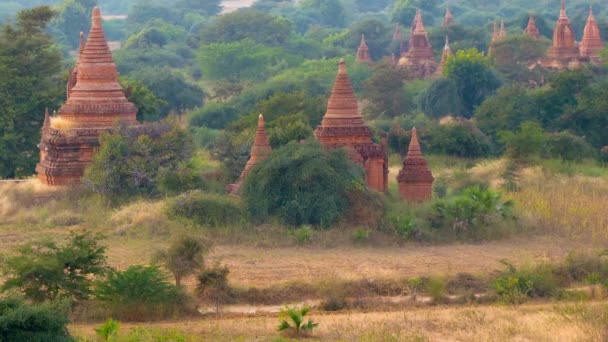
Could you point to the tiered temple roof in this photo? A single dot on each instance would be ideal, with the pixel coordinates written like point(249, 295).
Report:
point(532, 29)
point(363, 55)
point(343, 127)
point(94, 104)
point(419, 58)
point(592, 44)
point(415, 179)
point(563, 53)
point(448, 19)
point(260, 151)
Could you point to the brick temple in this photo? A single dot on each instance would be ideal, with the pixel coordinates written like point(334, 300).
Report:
point(95, 101)
point(363, 55)
point(343, 127)
point(448, 18)
point(419, 57)
point(532, 30)
point(447, 52)
point(415, 179)
point(563, 53)
point(260, 151)
point(592, 44)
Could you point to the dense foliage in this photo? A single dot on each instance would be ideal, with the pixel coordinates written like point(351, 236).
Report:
point(21, 321)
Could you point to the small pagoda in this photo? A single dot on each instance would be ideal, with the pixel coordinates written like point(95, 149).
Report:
point(592, 43)
point(260, 151)
point(448, 18)
point(532, 30)
point(343, 127)
point(415, 179)
point(363, 55)
point(503, 33)
point(397, 37)
point(419, 58)
point(447, 52)
point(95, 102)
point(563, 53)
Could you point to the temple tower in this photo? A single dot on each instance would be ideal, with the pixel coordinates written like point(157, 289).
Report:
point(563, 53)
point(415, 179)
point(592, 44)
point(260, 151)
point(363, 55)
point(448, 18)
point(447, 52)
point(495, 33)
point(502, 34)
point(397, 37)
point(343, 127)
point(532, 29)
point(419, 58)
point(95, 103)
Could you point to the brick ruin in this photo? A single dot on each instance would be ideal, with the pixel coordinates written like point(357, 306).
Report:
point(419, 57)
point(95, 101)
point(415, 179)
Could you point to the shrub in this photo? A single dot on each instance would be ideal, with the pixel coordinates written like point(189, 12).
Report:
point(526, 143)
point(361, 235)
point(303, 184)
point(20, 321)
point(213, 115)
point(45, 271)
point(514, 285)
point(438, 289)
point(460, 138)
point(141, 293)
point(177, 179)
point(204, 137)
point(292, 322)
point(108, 331)
point(567, 146)
point(302, 235)
point(184, 257)
point(511, 289)
point(213, 287)
point(204, 209)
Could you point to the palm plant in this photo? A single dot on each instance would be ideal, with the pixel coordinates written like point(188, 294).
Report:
point(292, 321)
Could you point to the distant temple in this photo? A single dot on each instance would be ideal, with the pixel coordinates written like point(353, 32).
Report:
point(343, 126)
point(419, 58)
point(415, 179)
point(564, 53)
point(502, 34)
point(95, 102)
point(448, 19)
point(260, 151)
point(397, 37)
point(363, 55)
point(532, 29)
point(592, 44)
point(447, 52)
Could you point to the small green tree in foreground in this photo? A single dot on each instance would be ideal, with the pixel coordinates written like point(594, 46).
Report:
point(184, 257)
point(20, 321)
point(292, 321)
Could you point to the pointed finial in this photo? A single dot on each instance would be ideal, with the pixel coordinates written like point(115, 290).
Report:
point(414, 148)
point(562, 12)
point(363, 42)
point(47, 120)
point(342, 67)
point(261, 121)
point(96, 17)
point(447, 42)
point(82, 43)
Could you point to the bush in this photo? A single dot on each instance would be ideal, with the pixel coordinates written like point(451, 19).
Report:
point(213, 115)
point(184, 257)
point(213, 287)
point(302, 235)
point(20, 321)
point(204, 138)
point(303, 184)
point(292, 322)
point(460, 138)
point(141, 293)
point(108, 331)
point(526, 143)
point(515, 285)
point(568, 147)
point(184, 176)
point(45, 271)
point(205, 209)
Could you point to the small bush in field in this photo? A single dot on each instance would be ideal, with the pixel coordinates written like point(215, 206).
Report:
point(414, 285)
point(302, 235)
point(20, 321)
point(108, 331)
point(514, 285)
point(213, 287)
point(511, 289)
point(292, 322)
point(184, 257)
point(361, 235)
point(140, 293)
point(205, 209)
point(438, 289)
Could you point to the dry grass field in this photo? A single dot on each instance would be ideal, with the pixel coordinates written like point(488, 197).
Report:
point(536, 322)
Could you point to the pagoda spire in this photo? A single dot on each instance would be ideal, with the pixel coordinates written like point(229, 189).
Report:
point(444, 57)
point(503, 33)
point(419, 58)
point(363, 55)
point(448, 19)
point(592, 44)
point(415, 179)
point(532, 29)
point(342, 108)
point(495, 34)
point(47, 118)
point(562, 11)
point(397, 34)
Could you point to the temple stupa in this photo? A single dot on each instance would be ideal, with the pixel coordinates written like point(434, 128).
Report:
point(419, 58)
point(592, 43)
point(415, 179)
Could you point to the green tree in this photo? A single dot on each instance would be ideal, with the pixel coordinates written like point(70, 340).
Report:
point(474, 77)
point(21, 321)
point(257, 26)
point(73, 16)
point(377, 36)
point(385, 91)
point(149, 107)
point(206, 8)
point(441, 98)
point(526, 143)
point(184, 257)
point(325, 12)
point(28, 66)
point(303, 184)
point(214, 115)
point(46, 271)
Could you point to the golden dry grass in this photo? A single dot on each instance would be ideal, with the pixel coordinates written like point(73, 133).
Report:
point(541, 322)
point(61, 123)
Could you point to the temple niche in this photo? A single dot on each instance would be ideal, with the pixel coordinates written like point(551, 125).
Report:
point(563, 53)
point(419, 59)
point(343, 127)
point(592, 44)
point(95, 101)
point(415, 179)
point(260, 151)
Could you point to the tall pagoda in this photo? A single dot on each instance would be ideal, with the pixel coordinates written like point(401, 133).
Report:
point(363, 55)
point(343, 127)
point(592, 44)
point(415, 179)
point(95, 102)
point(448, 18)
point(563, 53)
point(447, 52)
point(260, 151)
point(532, 30)
point(419, 59)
